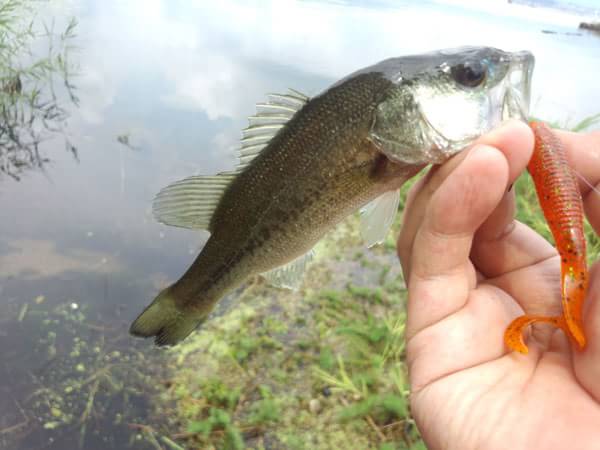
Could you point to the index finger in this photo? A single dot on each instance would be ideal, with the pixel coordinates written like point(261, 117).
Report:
point(513, 138)
point(451, 325)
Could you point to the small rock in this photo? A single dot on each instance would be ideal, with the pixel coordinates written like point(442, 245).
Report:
point(314, 406)
point(593, 26)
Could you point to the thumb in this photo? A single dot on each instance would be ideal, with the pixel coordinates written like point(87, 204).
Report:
point(440, 265)
point(450, 326)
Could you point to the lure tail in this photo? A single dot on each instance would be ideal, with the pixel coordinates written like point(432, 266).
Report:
point(513, 336)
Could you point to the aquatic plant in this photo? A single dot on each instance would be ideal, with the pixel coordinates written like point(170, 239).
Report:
point(31, 108)
point(86, 385)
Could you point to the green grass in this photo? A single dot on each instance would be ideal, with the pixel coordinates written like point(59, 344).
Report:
point(317, 369)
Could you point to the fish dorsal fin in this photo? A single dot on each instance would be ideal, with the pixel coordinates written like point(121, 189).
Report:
point(289, 276)
point(189, 203)
point(376, 217)
point(269, 119)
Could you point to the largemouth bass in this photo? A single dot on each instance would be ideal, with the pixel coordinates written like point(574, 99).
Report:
point(306, 164)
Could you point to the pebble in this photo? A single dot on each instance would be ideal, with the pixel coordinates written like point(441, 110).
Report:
point(314, 406)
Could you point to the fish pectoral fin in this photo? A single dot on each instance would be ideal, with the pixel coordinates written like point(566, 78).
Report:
point(289, 276)
point(377, 217)
point(190, 203)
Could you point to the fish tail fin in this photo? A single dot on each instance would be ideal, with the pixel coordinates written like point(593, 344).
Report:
point(165, 320)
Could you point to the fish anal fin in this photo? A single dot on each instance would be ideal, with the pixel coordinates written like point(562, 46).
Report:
point(289, 276)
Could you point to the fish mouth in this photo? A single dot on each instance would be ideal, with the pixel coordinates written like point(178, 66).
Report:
point(443, 116)
point(509, 99)
point(517, 97)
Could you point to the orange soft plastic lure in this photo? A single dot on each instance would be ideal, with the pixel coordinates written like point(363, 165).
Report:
point(561, 202)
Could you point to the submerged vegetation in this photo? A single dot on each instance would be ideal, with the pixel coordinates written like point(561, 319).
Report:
point(32, 86)
point(84, 380)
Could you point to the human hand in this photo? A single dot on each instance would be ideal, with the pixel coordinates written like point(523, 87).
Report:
point(471, 269)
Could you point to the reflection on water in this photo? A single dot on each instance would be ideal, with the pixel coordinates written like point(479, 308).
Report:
point(29, 259)
point(30, 104)
point(164, 88)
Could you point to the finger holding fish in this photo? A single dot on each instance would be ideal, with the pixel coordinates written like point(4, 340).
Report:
point(513, 138)
point(513, 142)
point(452, 324)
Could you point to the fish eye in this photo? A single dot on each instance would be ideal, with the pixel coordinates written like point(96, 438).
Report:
point(470, 74)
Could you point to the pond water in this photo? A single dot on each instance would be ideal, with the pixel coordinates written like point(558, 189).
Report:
point(164, 89)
